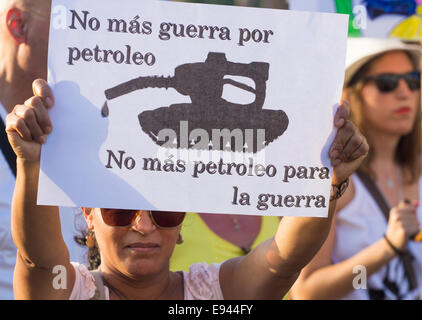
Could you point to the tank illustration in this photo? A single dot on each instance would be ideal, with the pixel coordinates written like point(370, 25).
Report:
point(203, 82)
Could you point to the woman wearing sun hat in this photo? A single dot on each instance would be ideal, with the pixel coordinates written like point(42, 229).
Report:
point(365, 254)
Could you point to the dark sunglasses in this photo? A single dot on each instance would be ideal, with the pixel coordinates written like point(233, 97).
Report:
point(124, 218)
point(388, 82)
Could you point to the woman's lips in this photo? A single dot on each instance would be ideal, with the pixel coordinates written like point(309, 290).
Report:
point(143, 247)
point(403, 110)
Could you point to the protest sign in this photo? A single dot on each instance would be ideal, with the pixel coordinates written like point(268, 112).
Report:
point(191, 107)
point(373, 18)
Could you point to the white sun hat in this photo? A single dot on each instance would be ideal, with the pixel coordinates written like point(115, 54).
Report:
point(362, 50)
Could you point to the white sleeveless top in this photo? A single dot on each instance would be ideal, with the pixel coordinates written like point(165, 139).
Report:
point(202, 282)
point(360, 224)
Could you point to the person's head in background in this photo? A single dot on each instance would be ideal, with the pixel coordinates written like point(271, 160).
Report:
point(24, 31)
point(385, 107)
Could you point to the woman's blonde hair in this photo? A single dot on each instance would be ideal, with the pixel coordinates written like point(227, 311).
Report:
point(408, 150)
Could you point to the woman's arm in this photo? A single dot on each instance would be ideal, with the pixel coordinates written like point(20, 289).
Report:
point(321, 279)
point(270, 270)
point(36, 229)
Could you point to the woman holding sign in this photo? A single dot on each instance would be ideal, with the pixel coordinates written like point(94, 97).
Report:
point(372, 251)
point(136, 246)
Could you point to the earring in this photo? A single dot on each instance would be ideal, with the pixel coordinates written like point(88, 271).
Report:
point(90, 239)
point(179, 239)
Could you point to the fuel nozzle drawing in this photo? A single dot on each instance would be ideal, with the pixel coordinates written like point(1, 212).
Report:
point(203, 82)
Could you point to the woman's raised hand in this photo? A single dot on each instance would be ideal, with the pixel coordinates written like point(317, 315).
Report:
point(28, 125)
point(349, 147)
point(402, 224)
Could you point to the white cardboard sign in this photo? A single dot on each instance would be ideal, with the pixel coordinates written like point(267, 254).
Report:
point(190, 107)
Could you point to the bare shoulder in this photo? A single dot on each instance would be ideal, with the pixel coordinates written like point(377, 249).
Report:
point(227, 273)
point(252, 277)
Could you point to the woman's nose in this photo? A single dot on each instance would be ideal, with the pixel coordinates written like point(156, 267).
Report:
point(403, 89)
point(143, 223)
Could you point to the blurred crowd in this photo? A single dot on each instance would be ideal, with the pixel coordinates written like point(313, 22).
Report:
point(372, 249)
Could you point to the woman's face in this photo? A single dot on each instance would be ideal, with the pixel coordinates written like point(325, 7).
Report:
point(392, 112)
point(141, 249)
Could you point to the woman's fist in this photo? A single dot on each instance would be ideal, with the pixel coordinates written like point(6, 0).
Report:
point(28, 125)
